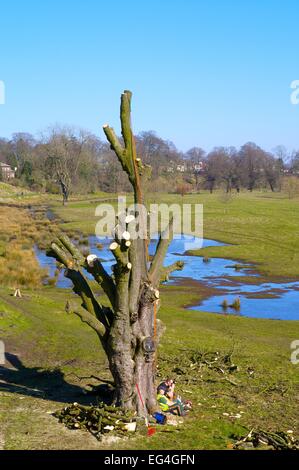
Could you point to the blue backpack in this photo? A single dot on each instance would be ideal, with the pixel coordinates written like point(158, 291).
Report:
point(160, 418)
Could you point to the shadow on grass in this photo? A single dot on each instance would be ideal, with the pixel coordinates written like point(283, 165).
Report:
point(46, 384)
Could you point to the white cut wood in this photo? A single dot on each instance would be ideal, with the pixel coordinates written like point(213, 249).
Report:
point(126, 236)
point(113, 246)
point(91, 259)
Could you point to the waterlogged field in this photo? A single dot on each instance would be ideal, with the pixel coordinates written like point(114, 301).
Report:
point(225, 280)
point(260, 227)
point(50, 353)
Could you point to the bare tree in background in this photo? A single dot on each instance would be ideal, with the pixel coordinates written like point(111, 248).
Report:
point(251, 165)
point(272, 170)
point(64, 154)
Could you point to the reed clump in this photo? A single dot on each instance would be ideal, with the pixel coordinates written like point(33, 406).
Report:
point(236, 305)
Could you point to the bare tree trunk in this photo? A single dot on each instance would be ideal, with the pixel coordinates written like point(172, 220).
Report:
point(65, 192)
point(130, 364)
point(228, 186)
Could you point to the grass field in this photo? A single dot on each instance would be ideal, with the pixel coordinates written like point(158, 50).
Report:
point(50, 349)
point(53, 346)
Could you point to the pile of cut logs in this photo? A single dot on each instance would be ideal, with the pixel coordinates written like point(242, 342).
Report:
point(98, 420)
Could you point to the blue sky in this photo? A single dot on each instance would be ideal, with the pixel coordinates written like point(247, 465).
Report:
point(202, 73)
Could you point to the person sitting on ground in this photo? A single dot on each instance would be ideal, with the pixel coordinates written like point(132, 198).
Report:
point(168, 405)
point(168, 387)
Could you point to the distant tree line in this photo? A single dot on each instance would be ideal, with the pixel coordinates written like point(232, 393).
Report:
point(65, 160)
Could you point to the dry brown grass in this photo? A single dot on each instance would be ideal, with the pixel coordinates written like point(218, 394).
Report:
point(19, 232)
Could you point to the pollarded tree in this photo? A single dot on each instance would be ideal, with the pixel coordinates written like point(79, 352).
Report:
point(128, 329)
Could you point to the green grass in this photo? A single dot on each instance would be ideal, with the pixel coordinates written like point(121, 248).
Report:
point(10, 193)
point(53, 346)
point(79, 214)
point(263, 229)
point(48, 338)
point(7, 190)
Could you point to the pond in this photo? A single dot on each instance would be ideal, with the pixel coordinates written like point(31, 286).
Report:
point(259, 300)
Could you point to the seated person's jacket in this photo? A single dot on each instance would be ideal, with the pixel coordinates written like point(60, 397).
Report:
point(163, 402)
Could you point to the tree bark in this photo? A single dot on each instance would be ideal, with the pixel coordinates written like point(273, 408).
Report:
point(130, 364)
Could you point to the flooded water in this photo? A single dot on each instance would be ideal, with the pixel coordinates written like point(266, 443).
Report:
point(281, 300)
